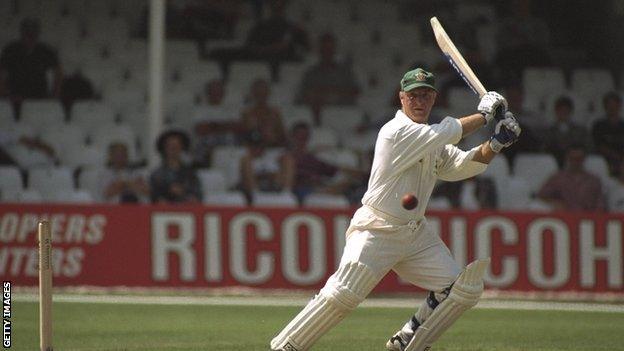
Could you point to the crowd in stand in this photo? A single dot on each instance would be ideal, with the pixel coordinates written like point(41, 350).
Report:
point(277, 154)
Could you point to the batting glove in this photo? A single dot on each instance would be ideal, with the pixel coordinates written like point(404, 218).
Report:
point(492, 106)
point(506, 133)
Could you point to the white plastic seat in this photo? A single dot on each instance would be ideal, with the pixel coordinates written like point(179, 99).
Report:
point(322, 138)
point(597, 165)
point(498, 171)
point(29, 158)
point(246, 72)
point(73, 197)
point(49, 181)
point(360, 142)
point(534, 168)
point(539, 206)
point(517, 195)
point(439, 203)
point(592, 82)
point(341, 118)
point(89, 180)
point(86, 156)
point(339, 157)
point(10, 178)
point(293, 114)
point(540, 82)
point(228, 199)
point(29, 196)
point(326, 201)
point(283, 199)
point(227, 159)
point(64, 138)
point(41, 114)
point(6, 114)
point(91, 115)
point(212, 181)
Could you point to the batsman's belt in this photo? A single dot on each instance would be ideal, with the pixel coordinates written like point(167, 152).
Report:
point(367, 217)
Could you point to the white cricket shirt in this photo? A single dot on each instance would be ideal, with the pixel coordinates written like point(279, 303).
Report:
point(410, 157)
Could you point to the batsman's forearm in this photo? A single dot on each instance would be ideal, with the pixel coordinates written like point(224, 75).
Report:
point(471, 123)
point(484, 154)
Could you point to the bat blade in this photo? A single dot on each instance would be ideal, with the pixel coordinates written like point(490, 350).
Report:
point(455, 58)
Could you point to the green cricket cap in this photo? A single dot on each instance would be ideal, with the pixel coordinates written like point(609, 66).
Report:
point(418, 78)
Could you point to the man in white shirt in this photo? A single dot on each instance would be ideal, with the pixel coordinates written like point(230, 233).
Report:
point(410, 156)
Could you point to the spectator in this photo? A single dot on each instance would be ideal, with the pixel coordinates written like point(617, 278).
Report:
point(615, 191)
point(214, 93)
point(272, 40)
point(121, 183)
point(24, 64)
point(472, 194)
point(608, 132)
point(262, 117)
point(563, 131)
point(264, 170)
point(215, 125)
point(314, 175)
point(328, 82)
point(573, 188)
point(174, 181)
point(11, 139)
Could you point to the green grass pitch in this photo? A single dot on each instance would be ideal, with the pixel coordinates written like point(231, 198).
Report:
point(85, 326)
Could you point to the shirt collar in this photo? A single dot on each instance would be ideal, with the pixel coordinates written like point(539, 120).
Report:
point(403, 117)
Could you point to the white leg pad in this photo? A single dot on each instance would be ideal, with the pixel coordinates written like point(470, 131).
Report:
point(344, 290)
point(465, 293)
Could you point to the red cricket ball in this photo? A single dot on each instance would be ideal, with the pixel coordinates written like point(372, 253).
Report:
point(409, 201)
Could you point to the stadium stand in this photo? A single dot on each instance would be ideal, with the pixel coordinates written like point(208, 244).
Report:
point(111, 52)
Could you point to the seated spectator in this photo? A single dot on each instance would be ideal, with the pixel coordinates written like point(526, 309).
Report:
point(328, 82)
point(24, 65)
point(262, 117)
point(272, 40)
point(174, 181)
point(573, 188)
point(314, 175)
point(215, 125)
point(11, 139)
point(478, 193)
point(121, 183)
point(615, 191)
point(608, 132)
point(263, 169)
point(214, 93)
point(563, 132)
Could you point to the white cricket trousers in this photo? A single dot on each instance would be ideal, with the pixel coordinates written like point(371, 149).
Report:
point(411, 249)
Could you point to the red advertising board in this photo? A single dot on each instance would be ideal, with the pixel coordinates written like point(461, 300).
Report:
point(196, 246)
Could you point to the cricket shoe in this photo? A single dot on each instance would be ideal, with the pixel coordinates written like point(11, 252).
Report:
point(399, 341)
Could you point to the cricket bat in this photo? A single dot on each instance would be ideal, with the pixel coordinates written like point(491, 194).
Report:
point(455, 58)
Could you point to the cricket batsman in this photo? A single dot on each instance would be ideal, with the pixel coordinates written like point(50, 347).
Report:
point(410, 156)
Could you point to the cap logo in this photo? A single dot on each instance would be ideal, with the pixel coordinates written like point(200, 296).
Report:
point(420, 76)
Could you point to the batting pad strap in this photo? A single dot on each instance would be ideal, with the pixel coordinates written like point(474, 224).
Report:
point(464, 294)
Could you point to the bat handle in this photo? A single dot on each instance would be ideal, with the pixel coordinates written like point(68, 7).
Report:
point(499, 115)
